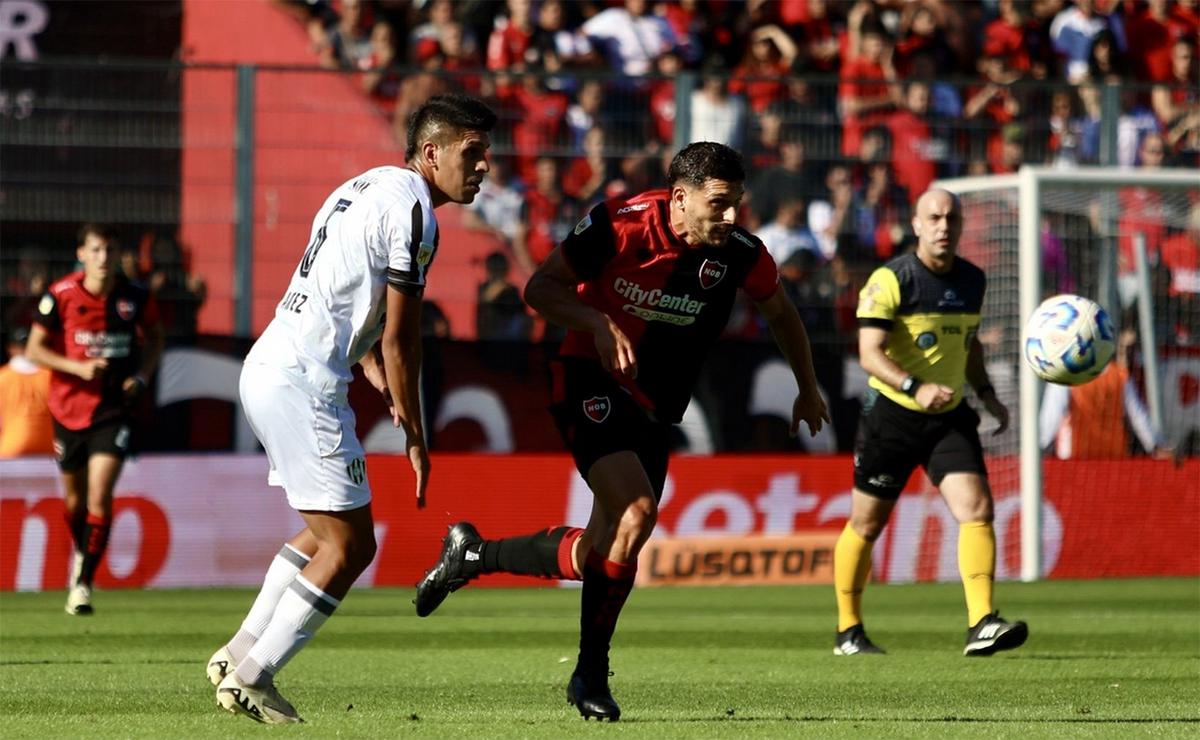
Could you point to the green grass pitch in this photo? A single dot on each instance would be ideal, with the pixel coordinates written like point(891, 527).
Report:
point(1118, 658)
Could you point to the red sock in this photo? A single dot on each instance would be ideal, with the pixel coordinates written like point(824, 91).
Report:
point(95, 538)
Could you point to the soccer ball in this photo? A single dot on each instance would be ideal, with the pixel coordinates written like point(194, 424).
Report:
point(1069, 340)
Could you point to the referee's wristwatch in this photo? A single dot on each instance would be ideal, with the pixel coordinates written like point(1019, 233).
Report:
point(910, 385)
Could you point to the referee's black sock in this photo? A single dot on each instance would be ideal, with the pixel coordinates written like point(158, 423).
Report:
point(544, 554)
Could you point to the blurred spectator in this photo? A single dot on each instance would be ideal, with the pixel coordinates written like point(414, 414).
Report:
point(1181, 256)
point(1135, 122)
point(350, 37)
point(24, 285)
point(180, 294)
point(787, 233)
point(928, 28)
point(1014, 37)
point(1088, 421)
point(662, 97)
point(26, 427)
point(995, 106)
point(686, 18)
point(864, 93)
point(1006, 151)
point(1142, 213)
point(586, 112)
point(1073, 31)
point(819, 39)
point(766, 132)
point(438, 14)
point(1178, 97)
point(813, 288)
point(716, 115)
point(761, 76)
point(1074, 126)
point(829, 217)
point(914, 149)
point(380, 78)
point(497, 207)
point(793, 176)
point(1186, 14)
point(1105, 62)
point(549, 216)
point(512, 37)
point(1057, 275)
point(586, 176)
point(881, 212)
point(631, 38)
point(540, 122)
point(499, 312)
point(1152, 33)
point(944, 99)
point(552, 32)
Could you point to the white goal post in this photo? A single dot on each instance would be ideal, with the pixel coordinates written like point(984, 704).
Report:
point(1028, 191)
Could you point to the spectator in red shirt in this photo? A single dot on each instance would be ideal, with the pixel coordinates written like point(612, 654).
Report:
point(662, 97)
point(761, 76)
point(586, 176)
point(1014, 36)
point(913, 151)
point(540, 122)
point(100, 336)
point(1151, 35)
point(550, 214)
point(1178, 95)
point(1186, 14)
point(511, 38)
point(864, 93)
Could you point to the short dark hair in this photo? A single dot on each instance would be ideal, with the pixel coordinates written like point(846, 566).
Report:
point(443, 115)
point(104, 231)
point(705, 160)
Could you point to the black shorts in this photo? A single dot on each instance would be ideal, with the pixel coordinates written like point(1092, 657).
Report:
point(892, 441)
point(73, 447)
point(596, 417)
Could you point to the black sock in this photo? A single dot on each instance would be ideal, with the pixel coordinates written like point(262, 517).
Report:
point(540, 554)
point(606, 586)
point(95, 539)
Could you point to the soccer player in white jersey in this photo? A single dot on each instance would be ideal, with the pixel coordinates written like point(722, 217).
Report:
point(355, 297)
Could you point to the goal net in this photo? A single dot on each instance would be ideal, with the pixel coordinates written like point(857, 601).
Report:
point(1128, 240)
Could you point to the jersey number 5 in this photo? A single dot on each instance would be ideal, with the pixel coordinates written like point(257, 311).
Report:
point(310, 254)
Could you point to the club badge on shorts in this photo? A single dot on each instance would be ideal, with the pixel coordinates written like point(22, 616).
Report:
point(711, 273)
point(126, 309)
point(597, 408)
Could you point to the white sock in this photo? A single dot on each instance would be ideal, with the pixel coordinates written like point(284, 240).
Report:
point(302, 610)
point(284, 568)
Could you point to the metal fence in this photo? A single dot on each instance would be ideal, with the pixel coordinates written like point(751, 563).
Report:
point(224, 165)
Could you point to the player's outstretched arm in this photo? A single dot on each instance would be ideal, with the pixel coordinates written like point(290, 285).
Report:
point(401, 352)
point(792, 338)
point(552, 292)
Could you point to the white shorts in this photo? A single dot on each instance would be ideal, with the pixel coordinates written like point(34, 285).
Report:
point(310, 441)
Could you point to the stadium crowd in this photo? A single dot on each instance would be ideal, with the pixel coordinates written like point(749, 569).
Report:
point(846, 111)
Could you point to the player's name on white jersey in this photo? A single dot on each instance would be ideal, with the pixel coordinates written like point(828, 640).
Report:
point(374, 229)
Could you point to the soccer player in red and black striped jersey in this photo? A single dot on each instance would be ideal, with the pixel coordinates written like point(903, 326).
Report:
point(644, 287)
point(100, 336)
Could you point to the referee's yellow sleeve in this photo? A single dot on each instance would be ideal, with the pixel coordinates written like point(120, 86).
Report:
point(880, 297)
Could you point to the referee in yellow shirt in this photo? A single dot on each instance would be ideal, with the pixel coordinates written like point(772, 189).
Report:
point(918, 316)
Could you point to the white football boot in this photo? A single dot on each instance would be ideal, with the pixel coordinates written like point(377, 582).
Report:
point(259, 704)
point(219, 666)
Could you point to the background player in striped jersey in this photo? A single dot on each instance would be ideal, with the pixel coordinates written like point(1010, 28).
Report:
point(918, 319)
point(100, 336)
point(355, 297)
point(644, 287)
